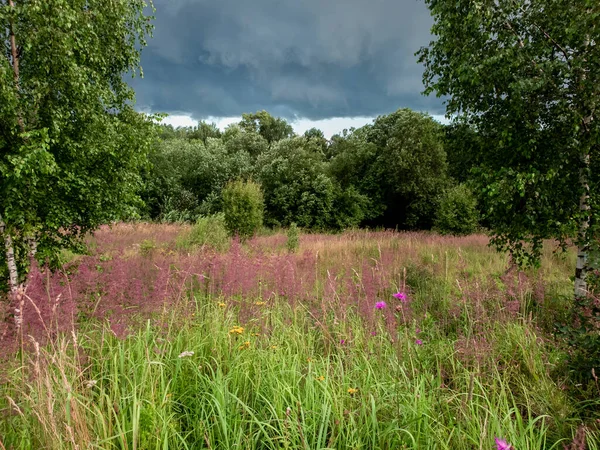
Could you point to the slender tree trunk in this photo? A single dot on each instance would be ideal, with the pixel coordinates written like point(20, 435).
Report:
point(9, 249)
point(583, 239)
point(13, 49)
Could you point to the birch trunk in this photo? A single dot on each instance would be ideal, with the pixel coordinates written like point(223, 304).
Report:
point(9, 248)
point(583, 238)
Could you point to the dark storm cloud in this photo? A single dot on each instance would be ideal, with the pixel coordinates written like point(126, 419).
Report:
point(306, 58)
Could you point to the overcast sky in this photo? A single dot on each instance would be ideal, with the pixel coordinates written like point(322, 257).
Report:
point(329, 63)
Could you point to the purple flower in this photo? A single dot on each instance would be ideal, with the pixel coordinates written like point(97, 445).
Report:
point(380, 305)
point(419, 342)
point(400, 296)
point(501, 444)
point(373, 333)
point(418, 330)
point(343, 341)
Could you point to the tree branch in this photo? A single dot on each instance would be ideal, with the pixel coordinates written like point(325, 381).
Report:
point(559, 47)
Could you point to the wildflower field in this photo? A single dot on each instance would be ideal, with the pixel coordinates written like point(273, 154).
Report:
point(361, 340)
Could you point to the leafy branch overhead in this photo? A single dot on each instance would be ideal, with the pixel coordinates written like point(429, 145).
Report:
point(526, 76)
point(72, 145)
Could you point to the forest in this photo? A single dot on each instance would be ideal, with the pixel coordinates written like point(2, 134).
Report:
point(394, 173)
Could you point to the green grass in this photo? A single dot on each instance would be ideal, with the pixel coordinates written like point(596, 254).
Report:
point(284, 383)
point(319, 375)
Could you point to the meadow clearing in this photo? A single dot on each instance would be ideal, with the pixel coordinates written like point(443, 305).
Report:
point(360, 340)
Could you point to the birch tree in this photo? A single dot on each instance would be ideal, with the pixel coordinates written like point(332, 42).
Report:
point(526, 75)
point(70, 142)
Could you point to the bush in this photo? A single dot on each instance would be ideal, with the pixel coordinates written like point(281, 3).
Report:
point(457, 212)
point(208, 231)
point(293, 238)
point(243, 207)
point(147, 247)
point(180, 206)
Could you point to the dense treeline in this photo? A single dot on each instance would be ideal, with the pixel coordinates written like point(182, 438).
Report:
point(395, 173)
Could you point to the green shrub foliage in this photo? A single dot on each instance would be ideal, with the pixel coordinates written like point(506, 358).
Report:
point(209, 231)
point(457, 212)
point(293, 238)
point(243, 207)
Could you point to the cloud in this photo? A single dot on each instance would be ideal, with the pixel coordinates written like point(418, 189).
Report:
point(314, 59)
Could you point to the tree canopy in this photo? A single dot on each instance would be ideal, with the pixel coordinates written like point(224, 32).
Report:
point(390, 173)
point(271, 128)
point(526, 76)
point(71, 144)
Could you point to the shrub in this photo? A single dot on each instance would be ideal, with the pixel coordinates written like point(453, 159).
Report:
point(293, 238)
point(243, 207)
point(180, 206)
point(457, 212)
point(208, 231)
point(147, 247)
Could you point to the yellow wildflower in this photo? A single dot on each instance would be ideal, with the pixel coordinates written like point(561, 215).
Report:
point(245, 345)
point(222, 305)
point(352, 391)
point(321, 378)
point(260, 303)
point(274, 347)
point(237, 330)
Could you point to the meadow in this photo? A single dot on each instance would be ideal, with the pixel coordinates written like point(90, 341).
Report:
point(359, 340)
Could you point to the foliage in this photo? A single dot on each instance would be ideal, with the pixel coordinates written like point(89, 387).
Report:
point(390, 173)
point(238, 140)
point(353, 166)
point(398, 163)
point(272, 129)
point(581, 334)
point(464, 150)
point(243, 207)
point(318, 136)
point(187, 177)
point(208, 231)
point(293, 238)
point(524, 74)
point(582, 337)
point(164, 193)
point(204, 131)
point(147, 247)
point(298, 189)
point(457, 212)
point(72, 145)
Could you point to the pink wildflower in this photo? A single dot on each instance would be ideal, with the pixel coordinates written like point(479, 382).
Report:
point(380, 305)
point(419, 342)
point(400, 296)
point(501, 444)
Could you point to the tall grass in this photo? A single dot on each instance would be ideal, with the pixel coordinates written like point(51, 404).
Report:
point(296, 355)
point(300, 383)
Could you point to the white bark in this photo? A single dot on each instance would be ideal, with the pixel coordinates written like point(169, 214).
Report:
point(9, 248)
point(583, 244)
point(583, 238)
